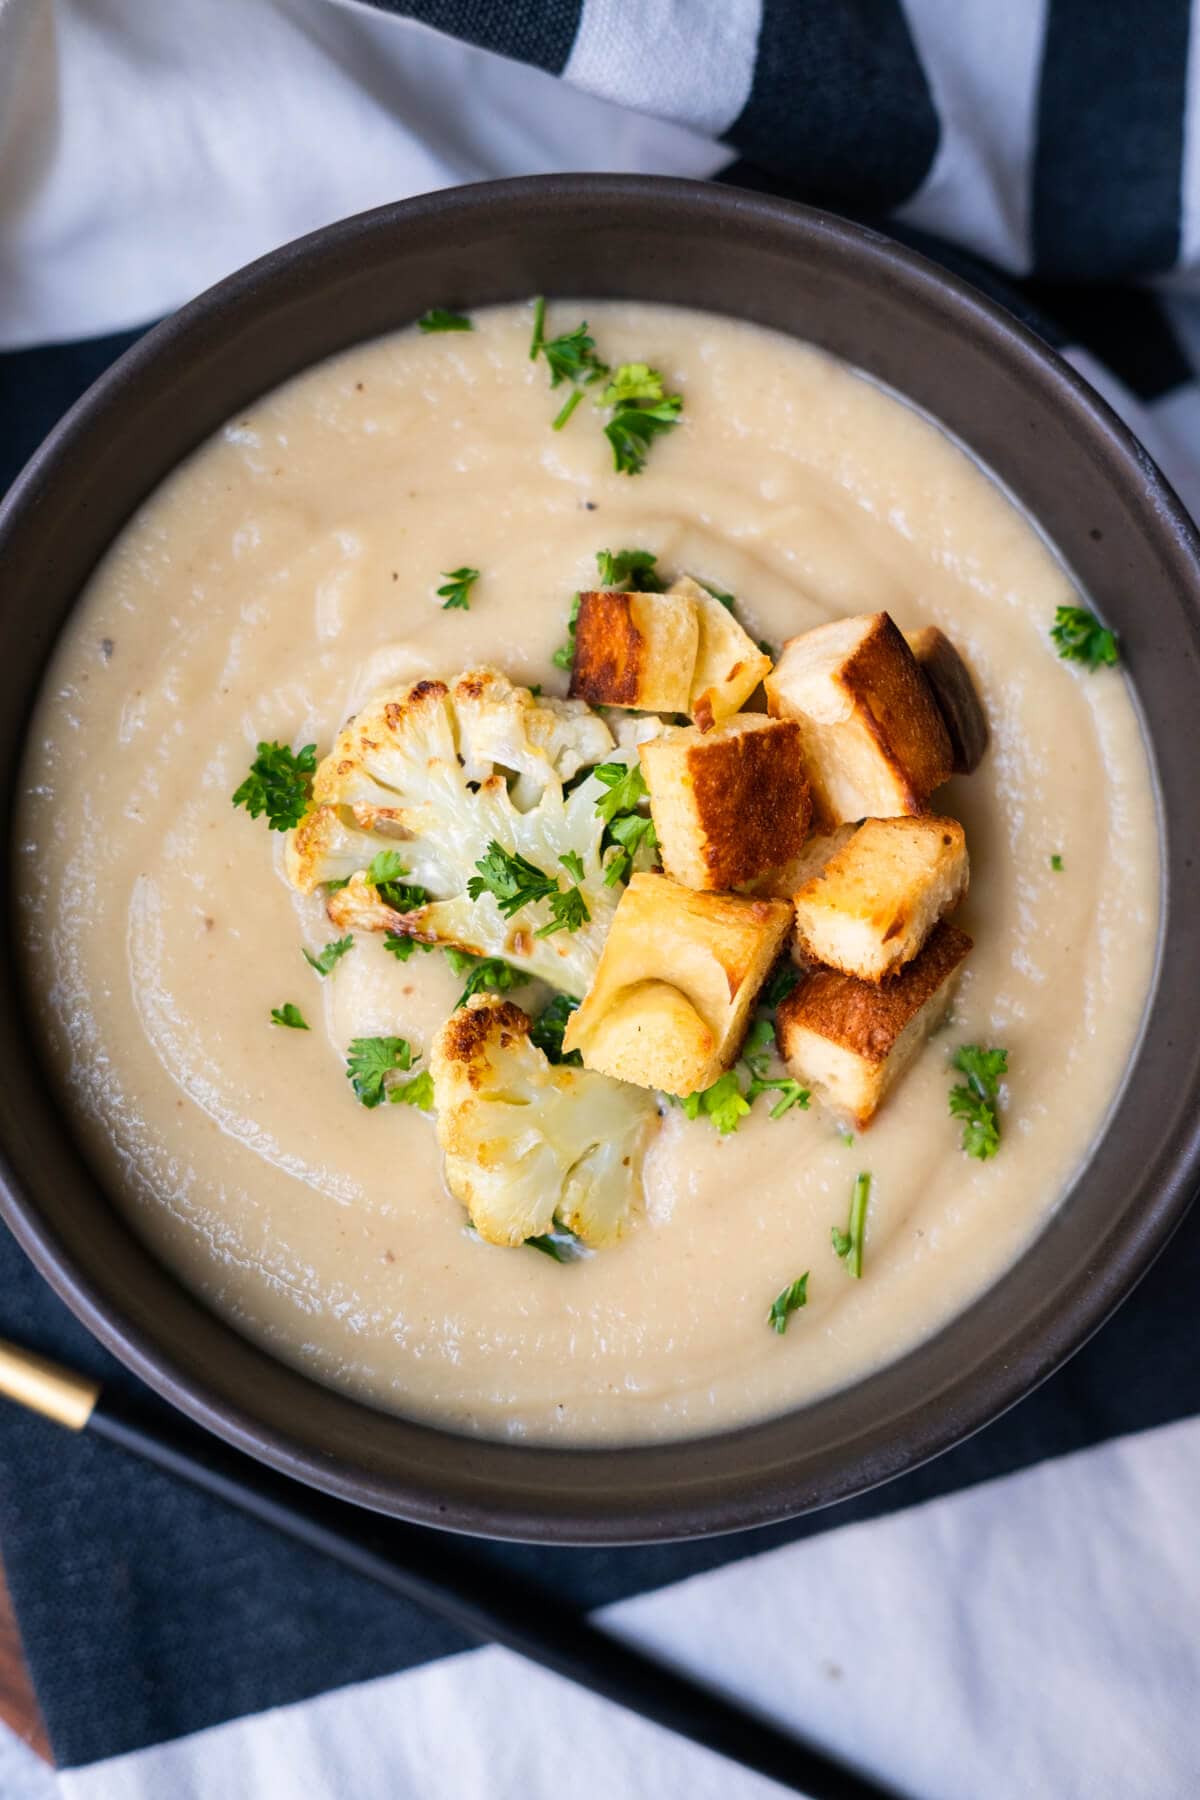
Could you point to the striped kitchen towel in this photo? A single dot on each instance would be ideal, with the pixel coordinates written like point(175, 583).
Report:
point(1017, 1619)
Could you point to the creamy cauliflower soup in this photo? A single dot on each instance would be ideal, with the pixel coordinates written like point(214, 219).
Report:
point(403, 517)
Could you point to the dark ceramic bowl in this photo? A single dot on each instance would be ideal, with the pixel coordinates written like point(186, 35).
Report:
point(1061, 452)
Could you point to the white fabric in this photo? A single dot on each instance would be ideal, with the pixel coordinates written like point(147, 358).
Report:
point(163, 143)
point(1030, 1639)
point(982, 64)
point(689, 60)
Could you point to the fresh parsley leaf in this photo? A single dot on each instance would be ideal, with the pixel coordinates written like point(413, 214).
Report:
point(626, 788)
point(1056, 863)
point(572, 357)
point(781, 983)
point(568, 912)
point(287, 1014)
point(1082, 638)
point(460, 960)
point(632, 382)
point(634, 566)
point(756, 1055)
point(564, 656)
point(572, 862)
point(514, 881)
point(632, 832)
point(847, 1138)
point(370, 1060)
point(789, 1301)
point(547, 1030)
point(632, 429)
point(385, 872)
point(457, 590)
point(975, 1103)
point(490, 975)
point(335, 887)
point(417, 1092)
point(278, 785)
point(403, 948)
point(848, 1244)
point(564, 412)
point(331, 954)
point(790, 1094)
point(560, 1244)
point(723, 1103)
point(439, 319)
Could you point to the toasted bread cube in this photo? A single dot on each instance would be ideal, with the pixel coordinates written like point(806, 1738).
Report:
point(635, 650)
point(728, 802)
point(782, 880)
point(852, 1040)
point(677, 977)
point(729, 664)
point(874, 738)
point(956, 696)
point(874, 904)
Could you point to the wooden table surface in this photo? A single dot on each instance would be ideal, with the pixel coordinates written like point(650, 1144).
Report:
point(18, 1706)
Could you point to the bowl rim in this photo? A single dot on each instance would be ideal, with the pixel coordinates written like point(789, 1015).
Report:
point(936, 1421)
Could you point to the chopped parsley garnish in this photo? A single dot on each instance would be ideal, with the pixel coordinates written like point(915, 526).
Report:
point(561, 1244)
point(791, 1300)
point(572, 862)
point(634, 566)
point(1056, 863)
point(723, 1103)
point(417, 1092)
point(569, 357)
point(547, 1030)
point(627, 827)
point(626, 788)
point(385, 873)
point(641, 412)
point(332, 953)
point(780, 984)
point(568, 912)
point(490, 975)
point(515, 882)
point(457, 590)
point(287, 1014)
point(278, 785)
point(438, 318)
point(728, 601)
point(370, 1060)
point(848, 1244)
point(756, 1054)
point(511, 879)
point(564, 656)
point(1082, 638)
point(975, 1102)
point(402, 948)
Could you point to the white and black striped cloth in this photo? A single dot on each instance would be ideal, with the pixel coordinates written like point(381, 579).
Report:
point(1019, 1618)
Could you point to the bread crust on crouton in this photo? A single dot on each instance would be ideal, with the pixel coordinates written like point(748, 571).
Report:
point(636, 650)
point(677, 977)
point(729, 802)
point(874, 738)
point(955, 694)
point(876, 901)
point(729, 664)
point(852, 1040)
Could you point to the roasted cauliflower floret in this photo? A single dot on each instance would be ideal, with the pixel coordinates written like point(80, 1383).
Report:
point(401, 776)
point(538, 738)
point(527, 1142)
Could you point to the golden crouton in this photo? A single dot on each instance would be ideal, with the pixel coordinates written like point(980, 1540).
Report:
point(728, 802)
point(871, 909)
point(635, 650)
point(782, 880)
point(874, 738)
point(678, 975)
point(852, 1040)
point(955, 693)
point(729, 664)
